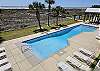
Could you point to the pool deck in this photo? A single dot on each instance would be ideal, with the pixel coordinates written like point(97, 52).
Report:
point(20, 62)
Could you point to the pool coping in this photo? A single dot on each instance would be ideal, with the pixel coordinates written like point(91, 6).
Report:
point(25, 38)
point(50, 32)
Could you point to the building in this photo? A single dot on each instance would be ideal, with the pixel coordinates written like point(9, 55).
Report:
point(92, 15)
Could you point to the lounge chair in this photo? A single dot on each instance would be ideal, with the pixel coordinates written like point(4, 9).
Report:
point(87, 53)
point(98, 33)
point(83, 57)
point(85, 68)
point(64, 67)
point(73, 61)
point(4, 64)
point(98, 64)
point(76, 63)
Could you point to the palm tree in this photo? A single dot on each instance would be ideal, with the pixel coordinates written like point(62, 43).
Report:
point(49, 2)
point(0, 10)
point(74, 16)
point(57, 12)
point(37, 6)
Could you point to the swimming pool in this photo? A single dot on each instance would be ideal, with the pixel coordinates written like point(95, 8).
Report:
point(46, 45)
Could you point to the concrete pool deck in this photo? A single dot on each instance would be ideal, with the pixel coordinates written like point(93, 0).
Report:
point(20, 62)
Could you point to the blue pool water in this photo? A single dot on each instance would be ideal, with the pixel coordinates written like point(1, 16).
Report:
point(45, 46)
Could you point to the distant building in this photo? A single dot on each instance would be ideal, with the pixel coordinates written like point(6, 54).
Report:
point(14, 7)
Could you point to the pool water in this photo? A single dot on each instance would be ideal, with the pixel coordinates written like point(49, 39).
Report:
point(45, 46)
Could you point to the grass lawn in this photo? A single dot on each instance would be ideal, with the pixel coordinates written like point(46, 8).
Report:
point(27, 31)
point(17, 33)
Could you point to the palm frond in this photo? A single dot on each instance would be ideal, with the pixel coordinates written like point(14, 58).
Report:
point(50, 1)
point(36, 5)
point(58, 10)
point(31, 6)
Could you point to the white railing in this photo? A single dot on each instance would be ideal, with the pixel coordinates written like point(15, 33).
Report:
point(23, 47)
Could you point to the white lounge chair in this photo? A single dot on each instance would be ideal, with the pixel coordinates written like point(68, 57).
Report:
point(2, 49)
point(87, 52)
point(85, 68)
point(65, 67)
point(98, 65)
point(6, 67)
point(4, 64)
point(83, 57)
point(78, 64)
point(98, 33)
point(73, 61)
point(98, 37)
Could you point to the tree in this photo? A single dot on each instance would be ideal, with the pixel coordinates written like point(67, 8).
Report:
point(0, 10)
point(49, 2)
point(74, 16)
point(58, 12)
point(37, 6)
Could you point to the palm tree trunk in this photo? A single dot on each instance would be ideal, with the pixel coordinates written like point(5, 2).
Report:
point(39, 24)
point(38, 18)
point(79, 17)
point(48, 20)
point(49, 7)
point(57, 20)
point(74, 17)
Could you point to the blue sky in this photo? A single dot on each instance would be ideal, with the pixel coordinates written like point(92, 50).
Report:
point(64, 3)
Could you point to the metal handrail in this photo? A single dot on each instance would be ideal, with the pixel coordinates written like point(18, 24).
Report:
point(24, 47)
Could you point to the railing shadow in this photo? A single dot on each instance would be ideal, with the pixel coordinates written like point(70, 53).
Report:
point(1, 39)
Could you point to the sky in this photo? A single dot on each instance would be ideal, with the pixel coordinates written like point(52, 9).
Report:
point(63, 3)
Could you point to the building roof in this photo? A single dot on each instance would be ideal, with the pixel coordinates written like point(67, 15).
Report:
point(93, 10)
point(14, 7)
